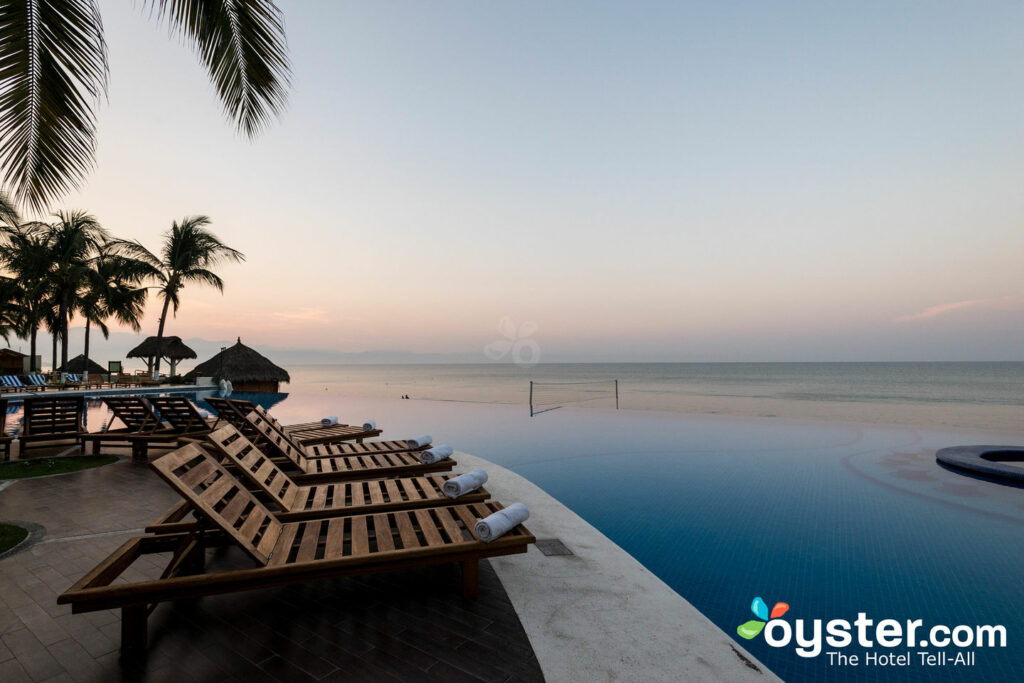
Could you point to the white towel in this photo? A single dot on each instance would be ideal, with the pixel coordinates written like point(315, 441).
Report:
point(419, 441)
point(435, 454)
point(203, 413)
point(501, 522)
point(464, 483)
point(329, 421)
point(369, 425)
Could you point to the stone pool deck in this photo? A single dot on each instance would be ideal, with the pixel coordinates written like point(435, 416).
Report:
point(594, 615)
point(598, 614)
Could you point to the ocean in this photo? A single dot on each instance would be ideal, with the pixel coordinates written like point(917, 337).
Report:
point(982, 395)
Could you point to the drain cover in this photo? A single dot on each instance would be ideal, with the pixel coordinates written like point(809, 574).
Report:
point(552, 546)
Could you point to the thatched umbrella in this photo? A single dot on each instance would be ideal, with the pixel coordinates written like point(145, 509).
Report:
point(80, 364)
point(171, 349)
point(245, 368)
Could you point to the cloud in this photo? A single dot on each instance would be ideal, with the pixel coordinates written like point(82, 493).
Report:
point(1009, 302)
point(316, 316)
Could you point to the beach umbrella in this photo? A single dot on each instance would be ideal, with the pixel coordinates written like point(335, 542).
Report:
point(171, 349)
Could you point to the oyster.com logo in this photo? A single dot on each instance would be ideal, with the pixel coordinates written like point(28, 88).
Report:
point(902, 642)
point(759, 607)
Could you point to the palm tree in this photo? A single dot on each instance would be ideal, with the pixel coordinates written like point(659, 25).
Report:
point(11, 312)
point(28, 259)
point(73, 239)
point(53, 67)
point(113, 288)
point(188, 254)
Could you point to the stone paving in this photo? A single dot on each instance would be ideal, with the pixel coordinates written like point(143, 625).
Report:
point(404, 626)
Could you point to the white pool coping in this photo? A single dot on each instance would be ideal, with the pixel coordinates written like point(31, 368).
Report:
point(91, 392)
point(599, 615)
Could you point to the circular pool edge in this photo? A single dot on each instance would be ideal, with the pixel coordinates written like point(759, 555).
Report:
point(978, 460)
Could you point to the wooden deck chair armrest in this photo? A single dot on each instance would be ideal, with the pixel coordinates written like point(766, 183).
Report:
point(170, 521)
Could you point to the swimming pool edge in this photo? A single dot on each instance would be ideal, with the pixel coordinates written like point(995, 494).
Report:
point(599, 614)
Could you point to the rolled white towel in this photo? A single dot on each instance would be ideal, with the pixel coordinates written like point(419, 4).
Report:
point(501, 522)
point(464, 483)
point(435, 454)
point(203, 413)
point(369, 425)
point(419, 441)
point(329, 421)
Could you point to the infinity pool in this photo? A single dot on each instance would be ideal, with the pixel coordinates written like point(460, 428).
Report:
point(833, 519)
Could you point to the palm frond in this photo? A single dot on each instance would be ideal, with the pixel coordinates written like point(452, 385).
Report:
point(242, 44)
point(53, 70)
point(8, 213)
point(203, 276)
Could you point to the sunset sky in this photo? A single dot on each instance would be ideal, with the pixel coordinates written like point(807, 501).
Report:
point(644, 181)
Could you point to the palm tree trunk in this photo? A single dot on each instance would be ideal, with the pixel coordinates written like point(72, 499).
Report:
point(160, 336)
point(65, 320)
point(32, 348)
point(53, 367)
point(85, 372)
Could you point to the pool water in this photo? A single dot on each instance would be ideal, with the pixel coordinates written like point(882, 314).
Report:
point(833, 519)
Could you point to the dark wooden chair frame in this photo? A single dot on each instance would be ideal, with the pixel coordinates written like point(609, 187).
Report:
point(285, 552)
point(51, 419)
point(142, 429)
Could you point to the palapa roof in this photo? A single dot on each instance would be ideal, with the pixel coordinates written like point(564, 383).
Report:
point(239, 363)
point(171, 348)
point(12, 353)
point(78, 364)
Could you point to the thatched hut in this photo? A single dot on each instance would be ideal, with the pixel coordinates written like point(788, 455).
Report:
point(12, 362)
point(80, 364)
point(171, 349)
point(245, 368)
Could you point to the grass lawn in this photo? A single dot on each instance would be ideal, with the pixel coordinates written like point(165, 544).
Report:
point(11, 536)
point(38, 467)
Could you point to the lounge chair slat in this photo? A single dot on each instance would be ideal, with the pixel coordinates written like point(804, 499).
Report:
point(451, 525)
point(360, 541)
point(383, 533)
point(429, 527)
point(310, 539)
point(376, 495)
point(320, 499)
point(283, 548)
point(392, 488)
point(335, 541)
point(406, 531)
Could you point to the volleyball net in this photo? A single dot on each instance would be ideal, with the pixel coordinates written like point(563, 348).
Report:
point(547, 396)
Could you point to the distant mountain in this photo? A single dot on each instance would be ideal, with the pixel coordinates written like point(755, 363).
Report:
point(120, 343)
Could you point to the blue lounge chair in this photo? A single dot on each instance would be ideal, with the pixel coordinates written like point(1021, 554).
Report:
point(14, 383)
point(71, 380)
point(38, 381)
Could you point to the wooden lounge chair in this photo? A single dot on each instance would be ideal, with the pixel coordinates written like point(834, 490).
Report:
point(282, 552)
point(282, 446)
point(142, 427)
point(324, 497)
point(179, 412)
point(333, 449)
point(52, 419)
point(10, 383)
point(5, 438)
point(233, 411)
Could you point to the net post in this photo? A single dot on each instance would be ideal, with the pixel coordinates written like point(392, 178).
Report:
point(531, 398)
point(616, 394)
